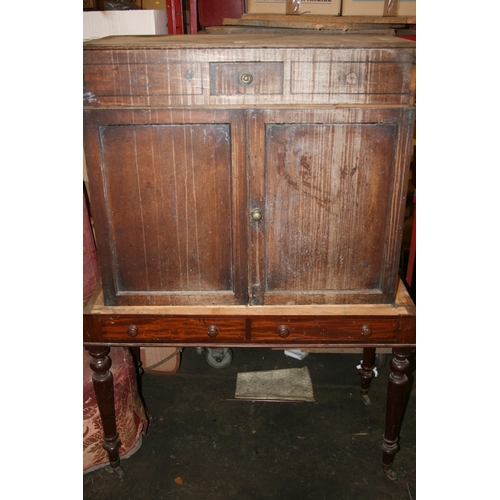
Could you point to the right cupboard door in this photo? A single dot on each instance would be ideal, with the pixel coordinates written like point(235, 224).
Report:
point(329, 186)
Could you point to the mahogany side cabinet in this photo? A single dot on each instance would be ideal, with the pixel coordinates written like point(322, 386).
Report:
point(249, 191)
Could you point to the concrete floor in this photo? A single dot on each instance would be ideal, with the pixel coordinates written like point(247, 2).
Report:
point(224, 449)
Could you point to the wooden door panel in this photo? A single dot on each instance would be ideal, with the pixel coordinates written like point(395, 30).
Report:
point(166, 205)
point(172, 219)
point(327, 191)
point(326, 202)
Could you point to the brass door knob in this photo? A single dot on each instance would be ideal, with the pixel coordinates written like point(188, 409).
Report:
point(256, 214)
point(212, 331)
point(246, 78)
point(283, 331)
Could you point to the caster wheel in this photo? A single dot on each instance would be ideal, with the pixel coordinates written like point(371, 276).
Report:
point(219, 358)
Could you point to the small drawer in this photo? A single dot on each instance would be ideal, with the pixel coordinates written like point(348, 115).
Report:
point(246, 78)
point(142, 80)
point(350, 77)
point(324, 330)
point(182, 330)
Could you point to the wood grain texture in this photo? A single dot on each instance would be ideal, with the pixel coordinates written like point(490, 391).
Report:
point(325, 181)
point(363, 20)
point(312, 331)
point(266, 78)
point(239, 30)
point(248, 42)
point(304, 22)
point(181, 150)
point(166, 71)
point(185, 140)
point(181, 330)
point(324, 329)
point(170, 183)
point(402, 306)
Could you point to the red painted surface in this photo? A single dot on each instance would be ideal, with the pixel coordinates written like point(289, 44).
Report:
point(408, 37)
point(175, 20)
point(90, 266)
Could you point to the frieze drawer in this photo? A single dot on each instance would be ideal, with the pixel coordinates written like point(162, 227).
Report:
point(305, 330)
point(183, 330)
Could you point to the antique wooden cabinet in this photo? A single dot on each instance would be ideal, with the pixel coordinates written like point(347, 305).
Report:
point(248, 169)
point(249, 191)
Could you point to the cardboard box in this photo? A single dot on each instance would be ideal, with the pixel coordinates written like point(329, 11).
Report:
point(151, 356)
point(316, 7)
point(376, 8)
point(154, 4)
point(98, 24)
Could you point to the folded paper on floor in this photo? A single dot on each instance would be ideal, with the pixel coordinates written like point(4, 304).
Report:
point(292, 384)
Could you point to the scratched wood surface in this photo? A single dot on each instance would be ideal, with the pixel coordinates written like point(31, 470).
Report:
point(402, 306)
point(333, 19)
point(116, 76)
point(239, 30)
point(180, 150)
point(249, 41)
point(327, 182)
point(304, 22)
point(169, 218)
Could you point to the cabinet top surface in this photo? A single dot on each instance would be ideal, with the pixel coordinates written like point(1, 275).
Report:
point(335, 41)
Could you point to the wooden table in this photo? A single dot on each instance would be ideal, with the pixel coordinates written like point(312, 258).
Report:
point(369, 326)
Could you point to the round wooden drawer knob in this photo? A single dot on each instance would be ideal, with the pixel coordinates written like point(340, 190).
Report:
point(283, 331)
point(212, 331)
point(365, 331)
point(132, 331)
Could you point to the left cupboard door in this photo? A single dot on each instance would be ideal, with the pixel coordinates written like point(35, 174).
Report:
point(168, 193)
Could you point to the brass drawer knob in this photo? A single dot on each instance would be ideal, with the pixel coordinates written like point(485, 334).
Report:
point(246, 78)
point(132, 331)
point(283, 331)
point(256, 214)
point(212, 331)
point(365, 331)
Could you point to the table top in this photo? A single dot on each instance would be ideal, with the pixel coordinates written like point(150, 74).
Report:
point(403, 306)
point(248, 40)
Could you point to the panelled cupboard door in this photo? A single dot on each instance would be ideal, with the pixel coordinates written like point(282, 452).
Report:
point(170, 201)
point(329, 187)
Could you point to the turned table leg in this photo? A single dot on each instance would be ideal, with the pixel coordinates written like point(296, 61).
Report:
point(396, 390)
point(366, 373)
point(102, 380)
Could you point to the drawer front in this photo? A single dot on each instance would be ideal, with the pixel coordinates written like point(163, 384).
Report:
point(183, 330)
point(246, 78)
point(353, 77)
point(324, 330)
point(139, 80)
